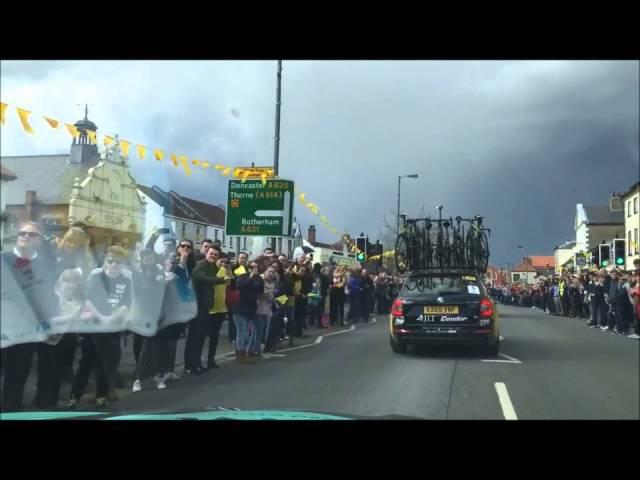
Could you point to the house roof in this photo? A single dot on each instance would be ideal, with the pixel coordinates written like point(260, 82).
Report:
point(602, 215)
point(523, 267)
point(6, 174)
point(51, 176)
point(187, 208)
point(543, 260)
point(632, 190)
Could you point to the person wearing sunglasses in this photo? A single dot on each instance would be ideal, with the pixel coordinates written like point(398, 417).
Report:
point(31, 276)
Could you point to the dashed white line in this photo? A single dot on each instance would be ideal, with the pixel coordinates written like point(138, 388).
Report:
point(510, 358)
point(505, 402)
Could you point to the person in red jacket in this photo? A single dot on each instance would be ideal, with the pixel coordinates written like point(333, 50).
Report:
point(635, 297)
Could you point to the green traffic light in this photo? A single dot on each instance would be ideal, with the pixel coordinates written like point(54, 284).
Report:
point(360, 257)
point(620, 261)
point(605, 263)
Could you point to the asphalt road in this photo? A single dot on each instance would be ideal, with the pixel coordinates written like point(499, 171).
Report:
point(549, 368)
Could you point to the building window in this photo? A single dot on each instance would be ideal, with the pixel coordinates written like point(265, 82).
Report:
point(183, 231)
point(244, 243)
point(635, 205)
point(516, 276)
point(215, 234)
point(629, 208)
point(635, 240)
point(223, 237)
point(198, 233)
point(289, 248)
point(629, 243)
point(280, 245)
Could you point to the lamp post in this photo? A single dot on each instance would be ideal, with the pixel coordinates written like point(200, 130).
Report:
point(400, 177)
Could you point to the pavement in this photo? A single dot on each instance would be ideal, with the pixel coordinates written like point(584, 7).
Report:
point(549, 368)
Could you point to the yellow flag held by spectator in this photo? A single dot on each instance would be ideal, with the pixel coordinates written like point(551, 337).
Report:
point(73, 131)
point(52, 123)
point(282, 299)
point(24, 119)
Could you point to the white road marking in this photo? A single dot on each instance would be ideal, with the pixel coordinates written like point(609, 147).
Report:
point(509, 359)
point(505, 402)
point(318, 340)
point(337, 333)
point(501, 338)
point(273, 355)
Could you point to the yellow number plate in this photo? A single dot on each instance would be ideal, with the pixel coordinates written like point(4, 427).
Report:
point(440, 310)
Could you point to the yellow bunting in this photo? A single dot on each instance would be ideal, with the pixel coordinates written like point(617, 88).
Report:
point(24, 119)
point(184, 161)
point(324, 219)
point(92, 136)
point(3, 115)
point(195, 162)
point(205, 164)
point(52, 123)
point(313, 207)
point(158, 154)
point(301, 197)
point(227, 171)
point(245, 174)
point(238, 172)
point(125, 147)
point(73, 131)
point(174, 159)
point(142, 151)
point(263, 176)
point(219, 167)
point(108, 140)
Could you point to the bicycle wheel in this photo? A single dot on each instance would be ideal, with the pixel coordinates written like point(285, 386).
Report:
point(401, 254)
point(470, 251)
point(483, 252)
point(428, 249)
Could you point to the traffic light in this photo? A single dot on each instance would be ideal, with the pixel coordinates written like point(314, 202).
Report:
point(605, 254)
point(361, 244)
point(618, 251)
point(595, 256)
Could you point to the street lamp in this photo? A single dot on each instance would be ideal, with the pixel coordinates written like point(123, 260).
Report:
point(400, 177)
point(526, 262)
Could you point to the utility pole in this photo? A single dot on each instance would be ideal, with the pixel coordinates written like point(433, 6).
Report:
point(276, 140)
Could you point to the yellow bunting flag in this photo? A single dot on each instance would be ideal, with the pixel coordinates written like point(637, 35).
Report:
point(92, 136)
point(219, 167)
point(324, 219)
point(184, 161)
point(174, 159)
point(159, 154)
point(73, 131)
point(245, 174)
point(313, 207)
point(108, 140)
point(205, 164)
point(124, 147)
point(195, 162)
point(52, 123)
point(142, 151)
point(227, 171)
point(263, 177)
point(301, 197)
point(24, 119)
point(238, 172)
point(3, 115)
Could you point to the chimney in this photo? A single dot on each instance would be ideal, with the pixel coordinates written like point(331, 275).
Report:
point(311, 234)
point(29, 203)
point(615, 202)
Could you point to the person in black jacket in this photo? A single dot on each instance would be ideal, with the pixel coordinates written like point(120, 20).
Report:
point(367, 295)
point(35, 277)
point(619, 299)
point(598, 304)
point(250, 284)
point(205, 276)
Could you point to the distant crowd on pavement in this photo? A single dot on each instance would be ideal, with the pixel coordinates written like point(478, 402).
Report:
point(608, 299)
point(266, 302)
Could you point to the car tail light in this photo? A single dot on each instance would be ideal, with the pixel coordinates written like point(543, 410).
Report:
point(396, 309)
point(486, 308)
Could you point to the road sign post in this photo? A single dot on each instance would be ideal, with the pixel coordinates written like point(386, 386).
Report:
point(255, 208)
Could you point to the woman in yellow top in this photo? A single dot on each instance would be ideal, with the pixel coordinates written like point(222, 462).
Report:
point(218, 313)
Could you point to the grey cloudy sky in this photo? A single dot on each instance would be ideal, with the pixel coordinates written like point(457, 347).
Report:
point(520, 142)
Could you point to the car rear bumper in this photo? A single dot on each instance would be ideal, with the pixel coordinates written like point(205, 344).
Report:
point(448, 335)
